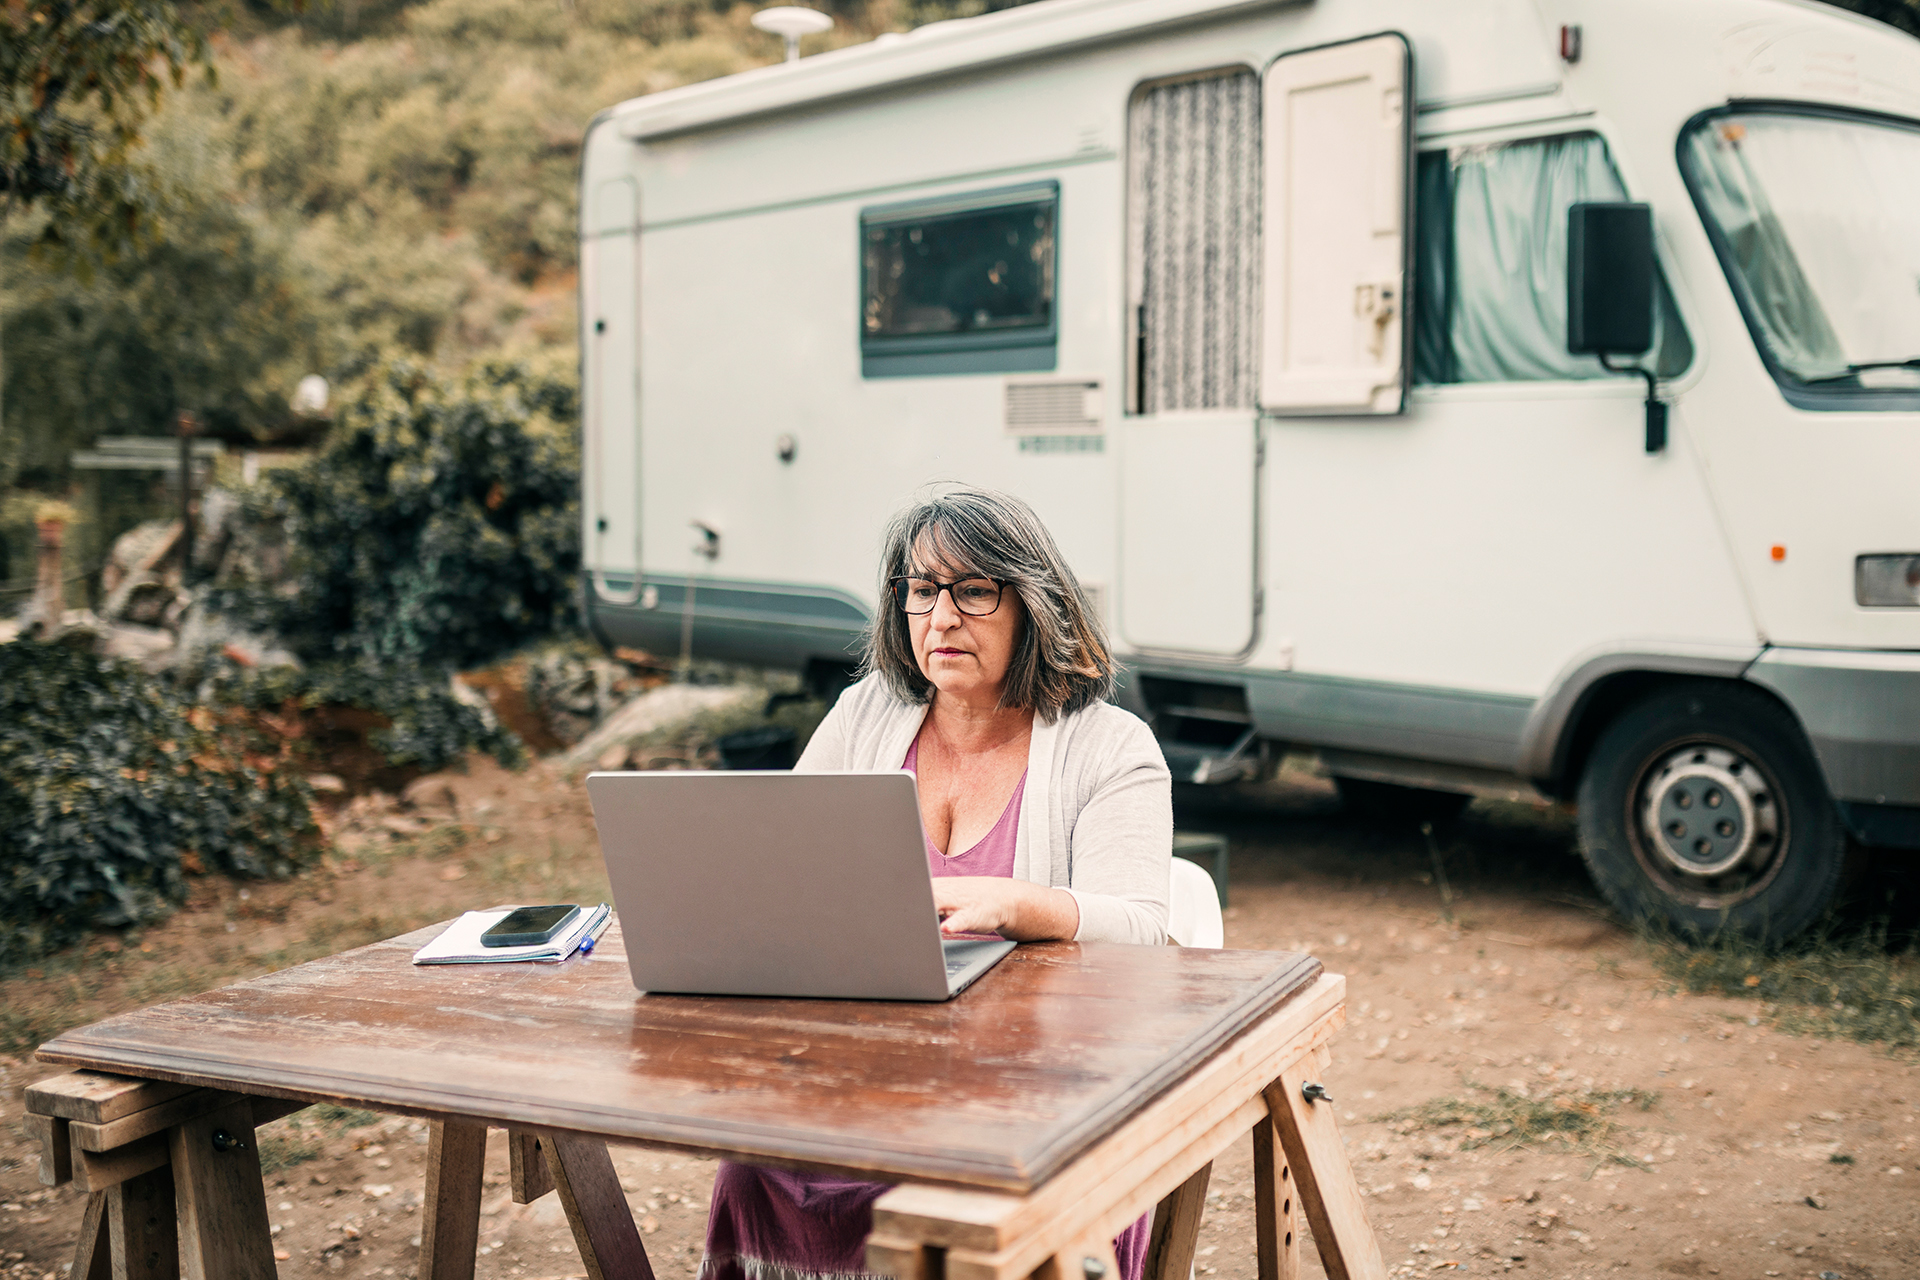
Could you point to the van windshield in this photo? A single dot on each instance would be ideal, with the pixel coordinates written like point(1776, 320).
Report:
point(1816, 216)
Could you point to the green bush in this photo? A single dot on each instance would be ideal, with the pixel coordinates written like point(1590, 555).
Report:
point(437, 529)
point(112, 788)
point(427, 726)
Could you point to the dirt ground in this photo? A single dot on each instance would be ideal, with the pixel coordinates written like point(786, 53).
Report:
point(1759, 1153)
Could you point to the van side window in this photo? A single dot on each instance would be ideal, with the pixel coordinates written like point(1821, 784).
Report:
point(961, 284)
point(1193, 252)
point(1490, 262)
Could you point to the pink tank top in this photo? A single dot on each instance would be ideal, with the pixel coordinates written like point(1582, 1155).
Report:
point(993, 855)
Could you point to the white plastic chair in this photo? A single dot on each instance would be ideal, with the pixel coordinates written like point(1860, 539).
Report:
point(1193, 907)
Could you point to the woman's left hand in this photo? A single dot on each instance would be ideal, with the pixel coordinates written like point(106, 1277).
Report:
point(1013, 909)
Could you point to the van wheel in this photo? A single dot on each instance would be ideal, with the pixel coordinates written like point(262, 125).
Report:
point(1385, 801)
point(1702, 808)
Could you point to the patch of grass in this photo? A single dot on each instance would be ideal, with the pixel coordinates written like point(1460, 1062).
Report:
point(1843, 986)
point(1583, 1120)
point(282, 1147)
point(337, 1119)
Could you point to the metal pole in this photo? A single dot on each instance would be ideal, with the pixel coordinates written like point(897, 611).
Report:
point(185, 421)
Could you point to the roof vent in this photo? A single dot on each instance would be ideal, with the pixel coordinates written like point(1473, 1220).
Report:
point(792, 21)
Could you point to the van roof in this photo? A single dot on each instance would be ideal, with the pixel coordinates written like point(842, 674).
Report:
point(937, 49)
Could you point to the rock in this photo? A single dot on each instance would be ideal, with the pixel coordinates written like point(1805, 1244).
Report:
point(432, 792)
point(572, 692)
point(614, 757)
point(201, 630)
point(326, 782)
point(655, 709)
point(145, 603)
point(134, 643)
point(1816, 1202)
point(468, 696)
point(139, 560)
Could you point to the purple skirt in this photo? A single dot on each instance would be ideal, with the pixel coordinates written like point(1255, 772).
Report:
point(768, 1224)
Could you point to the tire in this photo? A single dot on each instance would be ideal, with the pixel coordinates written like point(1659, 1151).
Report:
point(1387, 802)
point(1702, 810)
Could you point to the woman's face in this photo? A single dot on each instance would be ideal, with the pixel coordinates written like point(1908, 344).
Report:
point(963, 656)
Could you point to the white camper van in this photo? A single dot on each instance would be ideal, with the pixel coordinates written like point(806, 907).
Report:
point(1265, 307)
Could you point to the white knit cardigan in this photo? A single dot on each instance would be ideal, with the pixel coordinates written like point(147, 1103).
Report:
point(1097, 818)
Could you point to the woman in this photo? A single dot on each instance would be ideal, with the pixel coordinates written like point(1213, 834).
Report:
point(1047, 810)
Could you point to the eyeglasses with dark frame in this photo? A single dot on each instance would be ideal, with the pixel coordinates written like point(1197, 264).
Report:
point(976, 597)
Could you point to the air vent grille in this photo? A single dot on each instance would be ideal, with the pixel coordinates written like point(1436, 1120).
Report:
point(1046, 408)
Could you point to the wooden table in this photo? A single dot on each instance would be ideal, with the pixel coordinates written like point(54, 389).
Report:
point(1025, 1123)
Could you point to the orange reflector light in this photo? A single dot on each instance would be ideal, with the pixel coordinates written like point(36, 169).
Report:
point(1779, 553)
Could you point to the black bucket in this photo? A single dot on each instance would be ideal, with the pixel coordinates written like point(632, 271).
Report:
point(768, 748)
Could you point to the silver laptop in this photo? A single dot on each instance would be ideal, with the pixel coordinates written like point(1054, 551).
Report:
point(778, 884)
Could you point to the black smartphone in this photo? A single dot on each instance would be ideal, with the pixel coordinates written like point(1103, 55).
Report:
point(529, 926)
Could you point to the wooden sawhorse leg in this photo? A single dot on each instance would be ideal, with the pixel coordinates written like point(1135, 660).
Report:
point(578, 1168)
point(1323, 1178)
point(1176, 1228)
point(582, 1172)
point(1275, 1213)
point(450, 1213)
point(130, 1231)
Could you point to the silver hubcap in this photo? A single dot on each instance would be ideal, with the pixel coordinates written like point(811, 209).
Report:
point(1708, 812)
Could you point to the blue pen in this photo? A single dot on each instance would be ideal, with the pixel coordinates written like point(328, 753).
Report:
point(586, 946)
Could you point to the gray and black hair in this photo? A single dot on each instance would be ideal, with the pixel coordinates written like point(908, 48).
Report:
point(1061, 663)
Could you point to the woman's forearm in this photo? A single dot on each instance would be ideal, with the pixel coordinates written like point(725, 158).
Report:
point(1043, 915)
point(1011, 908)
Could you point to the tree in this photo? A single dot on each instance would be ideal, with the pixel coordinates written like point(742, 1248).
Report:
point(218, 316)
point(78, 79)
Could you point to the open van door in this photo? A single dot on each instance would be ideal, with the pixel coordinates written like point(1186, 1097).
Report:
point(1190, 442)
point(1339, 142)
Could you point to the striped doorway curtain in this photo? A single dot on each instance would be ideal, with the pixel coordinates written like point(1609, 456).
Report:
point(1194, 256)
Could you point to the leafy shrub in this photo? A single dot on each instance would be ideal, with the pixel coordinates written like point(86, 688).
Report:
point(427, 725)
point(437, 528)
point(111, 788)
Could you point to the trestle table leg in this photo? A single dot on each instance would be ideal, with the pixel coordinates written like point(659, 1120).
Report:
point(92, 1253)
point(596, 1208)
point(222, 1200)
point(450, 1225)
point(143, 1227)
point(527, 1174)
point(1275, 1215)
point(1310, 1138)
point(1176, 1228)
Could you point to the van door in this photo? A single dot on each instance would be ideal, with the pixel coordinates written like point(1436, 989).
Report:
point(1189, 447)
point(1338, 149)
point(609, 271)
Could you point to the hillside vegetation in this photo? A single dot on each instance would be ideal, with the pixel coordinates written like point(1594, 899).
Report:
point(364, 182)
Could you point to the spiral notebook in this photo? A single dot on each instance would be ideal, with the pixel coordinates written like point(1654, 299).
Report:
point(459, 942)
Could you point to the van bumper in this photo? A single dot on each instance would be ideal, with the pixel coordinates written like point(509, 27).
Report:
point(1861, 710)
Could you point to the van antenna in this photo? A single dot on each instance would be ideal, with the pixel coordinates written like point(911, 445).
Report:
point(792, 21)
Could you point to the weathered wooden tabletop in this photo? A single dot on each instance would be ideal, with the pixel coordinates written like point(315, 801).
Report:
point(1046, 1054)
